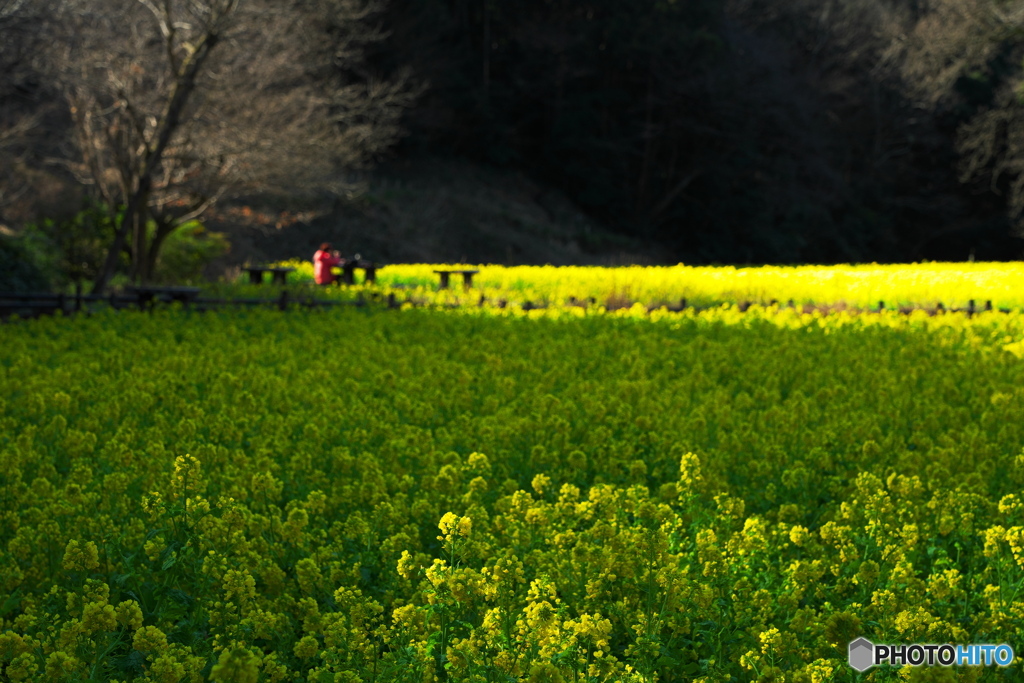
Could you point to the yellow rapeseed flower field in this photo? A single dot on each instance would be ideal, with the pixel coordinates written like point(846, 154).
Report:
point(499, 494)
point(856, 286)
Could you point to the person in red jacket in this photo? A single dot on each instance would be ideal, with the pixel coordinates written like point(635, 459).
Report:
point(323, 260)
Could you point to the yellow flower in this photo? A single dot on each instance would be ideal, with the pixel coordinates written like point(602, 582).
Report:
point(60, 665)
point(306, 648)
point(910, 535)
point(149, 639)
point(545, 672)
point(166, 669)
point(595, 628)
point(729, 506)
point(453, 526)
point(307, 573)
point(236, 665)
point(23, 667)
point(799, 535)
point(913, 622)
point(78, 557)
point(438, 573)
point(690, 478)
point(97, 617)
point(1009, 504)
point(129, 614)
point(541, 483)
point(298, 519)
point(478, 462)
point(406, 566)
point(11, 645)
point(820, 671)
point(405, 615)
point(274, 670)
point(186, 475)
point(993, 536)
point(770, 639)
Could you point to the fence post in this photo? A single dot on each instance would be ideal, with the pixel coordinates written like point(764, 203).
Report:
point(282, 303)
point(970, 308)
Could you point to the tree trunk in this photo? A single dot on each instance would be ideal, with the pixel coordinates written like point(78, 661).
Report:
point(139, 240)
point(164, 227)
point(185, 83)
point(127, 220)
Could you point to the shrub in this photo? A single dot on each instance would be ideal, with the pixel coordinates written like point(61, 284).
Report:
point(20, 270)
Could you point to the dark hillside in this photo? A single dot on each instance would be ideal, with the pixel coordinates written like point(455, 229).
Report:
point(438, 211)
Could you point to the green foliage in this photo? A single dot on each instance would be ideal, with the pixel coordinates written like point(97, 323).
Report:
point(186, 251)
point(72, 250)
point(20, 267)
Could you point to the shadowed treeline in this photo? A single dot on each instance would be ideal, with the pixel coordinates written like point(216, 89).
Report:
point(741, 131)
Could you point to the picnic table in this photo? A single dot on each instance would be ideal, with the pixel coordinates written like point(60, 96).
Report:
point(467, 277)
point(348, 271)
point(278, 274)
point(146, 294)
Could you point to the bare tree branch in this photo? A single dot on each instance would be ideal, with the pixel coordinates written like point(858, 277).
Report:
point(180, 103)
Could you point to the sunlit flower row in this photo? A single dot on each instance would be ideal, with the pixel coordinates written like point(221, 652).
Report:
point(953, 285)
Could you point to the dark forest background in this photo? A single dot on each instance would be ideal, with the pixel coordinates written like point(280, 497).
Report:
point(707, 131)
point(755, 131)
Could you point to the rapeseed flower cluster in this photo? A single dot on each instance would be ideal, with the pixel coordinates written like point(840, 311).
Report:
point(480, 496)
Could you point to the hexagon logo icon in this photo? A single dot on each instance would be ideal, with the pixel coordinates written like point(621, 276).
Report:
point(862, 654)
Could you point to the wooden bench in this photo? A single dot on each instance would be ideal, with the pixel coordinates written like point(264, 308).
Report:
point(467, 277)
point(278, 274)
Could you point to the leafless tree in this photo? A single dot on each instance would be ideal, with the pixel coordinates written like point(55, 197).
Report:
point(991, 148)
point(957, 40)
point(19, 39)
point(179, 103)
point(942, 41)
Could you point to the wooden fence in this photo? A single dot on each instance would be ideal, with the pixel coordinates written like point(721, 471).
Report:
point(34, 304)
